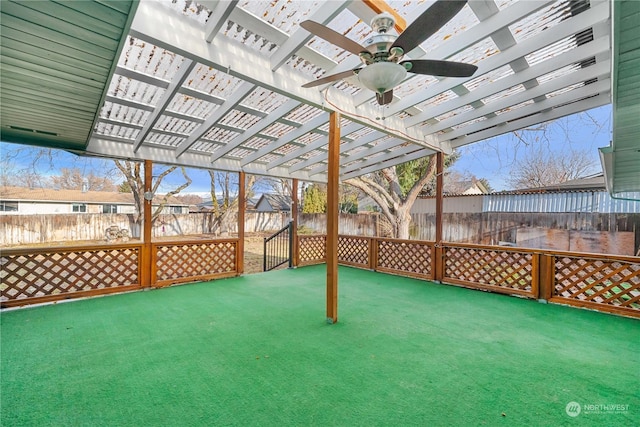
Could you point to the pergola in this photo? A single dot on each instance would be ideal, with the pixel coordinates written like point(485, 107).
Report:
point(217, 84)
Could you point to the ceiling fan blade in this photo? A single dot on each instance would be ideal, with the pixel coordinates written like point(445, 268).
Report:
point(428, 23)
point(331, 36)
point(331, 78)
point(440, 68)
point(385, 98)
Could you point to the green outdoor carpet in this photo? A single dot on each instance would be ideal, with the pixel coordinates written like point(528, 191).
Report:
point(256, 350)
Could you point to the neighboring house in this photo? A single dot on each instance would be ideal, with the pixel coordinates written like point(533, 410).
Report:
point(464, 188)
point(208, 206)
point(458, 197)
point(29, 201)
point(580, 195)
point(587, 194)
point(271, 202)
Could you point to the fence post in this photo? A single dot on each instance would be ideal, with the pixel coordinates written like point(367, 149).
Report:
point(291, 241)
point(242, 205)
point(373, 253)
point(546, 277)
point(147, 278)
point(293, 255)
point(438, 270)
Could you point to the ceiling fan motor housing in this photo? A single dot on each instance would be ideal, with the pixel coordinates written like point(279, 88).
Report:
point(378, 46)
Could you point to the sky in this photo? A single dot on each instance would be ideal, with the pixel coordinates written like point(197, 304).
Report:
point(492, 159)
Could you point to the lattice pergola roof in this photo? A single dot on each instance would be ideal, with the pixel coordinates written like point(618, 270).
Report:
point(217, 84)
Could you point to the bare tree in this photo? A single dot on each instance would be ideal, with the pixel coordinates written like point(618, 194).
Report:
point(224, 196)
point(542, 168)
point(279, 186)
point(395, 189)
point(26, 166)
point(134, 176)
point(74, 179)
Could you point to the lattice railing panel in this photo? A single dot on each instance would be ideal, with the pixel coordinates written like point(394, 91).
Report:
point(195, 259)
point(353, 250)
point(601, 281)
point(405, 257)
point(489, 267)
point(63, 271)
point(312, 249)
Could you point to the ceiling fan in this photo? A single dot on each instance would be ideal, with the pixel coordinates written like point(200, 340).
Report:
point(383, 68)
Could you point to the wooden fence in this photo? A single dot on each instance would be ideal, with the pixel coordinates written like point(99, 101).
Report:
point(30, 229)
point(614, 233)
point(351, 224)
point(606, 283)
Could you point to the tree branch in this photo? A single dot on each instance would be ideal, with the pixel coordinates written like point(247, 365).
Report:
point(373, 192)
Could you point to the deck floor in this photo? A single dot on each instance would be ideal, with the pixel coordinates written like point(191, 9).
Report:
point(256, 350)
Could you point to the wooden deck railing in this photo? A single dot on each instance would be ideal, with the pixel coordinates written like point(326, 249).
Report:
point(30, 276)
point(596, 281)
point(600, 282)
point(609, 283)
point(493, 268)
point(311, 249)
point(190, 261)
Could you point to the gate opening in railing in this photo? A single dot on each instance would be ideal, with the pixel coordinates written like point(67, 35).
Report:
point(278, 248)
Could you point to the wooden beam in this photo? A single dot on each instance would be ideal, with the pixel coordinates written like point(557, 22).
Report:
point(294, 219)
point(242, 206)
point(439, 254)
point(332, 217)
point(147, 270)
point(379, 6)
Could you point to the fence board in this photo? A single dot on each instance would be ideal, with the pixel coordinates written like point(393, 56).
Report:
point(37, 229)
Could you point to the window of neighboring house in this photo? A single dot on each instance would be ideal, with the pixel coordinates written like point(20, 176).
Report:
point(8, 206)
point(79, 207)
point(109, 208)
point(176, 209)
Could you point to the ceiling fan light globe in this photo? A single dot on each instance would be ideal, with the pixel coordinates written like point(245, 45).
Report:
point(382, 76)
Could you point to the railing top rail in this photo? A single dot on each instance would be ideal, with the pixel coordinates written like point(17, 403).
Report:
point(414, 241)
point(491, 247)
point(587, 255)
point(351, 236)
point(194, 242)
point(277, 233)
point(59, 249)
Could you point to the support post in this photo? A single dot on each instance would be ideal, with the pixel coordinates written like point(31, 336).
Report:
point(333, 169)
point(242, 207)
point(147, 270)
point(294, 223)
point(439, 250)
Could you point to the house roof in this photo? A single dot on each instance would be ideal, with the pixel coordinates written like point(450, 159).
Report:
point(217, 84)
point(74, 196)
point(588, 183)
point(251, 202)
point(278, 202)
